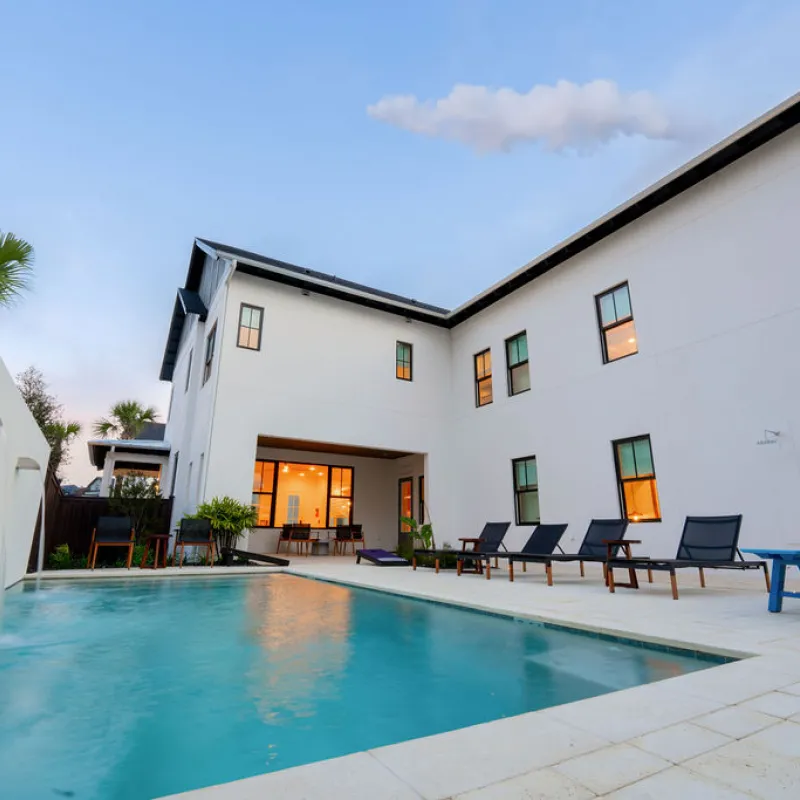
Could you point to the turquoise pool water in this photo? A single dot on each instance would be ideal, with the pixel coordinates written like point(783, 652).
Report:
point(137, 689)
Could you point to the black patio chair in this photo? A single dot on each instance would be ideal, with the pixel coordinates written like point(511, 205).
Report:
point(111, 532)
point(285, 535)
point(540, 546)
point(488, 543)
point(706, 543)
point(348, 534)
point(195, 533)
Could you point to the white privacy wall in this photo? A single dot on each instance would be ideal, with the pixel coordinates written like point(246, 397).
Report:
point(21, 442)
point(714, 281)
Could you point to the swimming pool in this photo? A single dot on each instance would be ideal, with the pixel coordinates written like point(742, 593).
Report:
point(137, 689)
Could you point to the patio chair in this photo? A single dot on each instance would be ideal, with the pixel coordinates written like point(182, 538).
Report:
point(111, 532)
point(347, 534)
point(489, 542)
point(300, 536)
point(195, 533)
point(540, 546)
point(706, 543)
point(284, 536)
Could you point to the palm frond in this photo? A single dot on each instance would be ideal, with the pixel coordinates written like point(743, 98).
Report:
point(104, 428)
point(16, 267)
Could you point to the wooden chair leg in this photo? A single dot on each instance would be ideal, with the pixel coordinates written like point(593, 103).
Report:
point(437, 566)
point(511, 570)
point(524, 567)
point(583, 573)
point(89, 558)
point(610, 580)
point(496, 564)
point(649, 575)
point(213, 549)
point(143, 562)
point(673, 579)
point(130, 555)
point(702, 577)
point(459, 566)
point(548, 568)
point(413, 559)
point(766, 577)
point(488, 568)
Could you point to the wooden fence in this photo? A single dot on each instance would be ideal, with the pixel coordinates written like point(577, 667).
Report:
point(70, 520)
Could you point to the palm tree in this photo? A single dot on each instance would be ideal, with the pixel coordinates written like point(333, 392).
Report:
point(16, 266)
point(59, 436)
point(126, 420)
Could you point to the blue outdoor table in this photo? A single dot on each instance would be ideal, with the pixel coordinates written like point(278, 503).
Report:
point(780, 560)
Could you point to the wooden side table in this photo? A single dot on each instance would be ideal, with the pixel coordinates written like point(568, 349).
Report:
point(474, 543)
point(159, 539)
point(625, 544)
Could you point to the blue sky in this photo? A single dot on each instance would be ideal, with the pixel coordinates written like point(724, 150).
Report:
point(129, 128)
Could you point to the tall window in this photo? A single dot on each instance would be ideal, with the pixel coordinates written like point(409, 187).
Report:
point(403, 361)
point(483, 378)
point(211, 341)
point(340, 496)
point(615, 316)
point(519, 378)
point(188, 371)
point(264, 491)
point(250, 318)
point(406, 501)
point(636, 477)
point(526, 490)
point(421, 492)
point(174, 475)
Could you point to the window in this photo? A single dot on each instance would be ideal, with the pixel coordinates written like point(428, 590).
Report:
point(210, 344)
point(406, 502)
point(421, 517)
point(291, 493)
point(617, 331)
point(250, 318)
point(174, 475)
point(526, 490)
point(636, 477)
point(483, 378)
point(519, 378)
point(340, 496)
point(403, 361)
point(188, 372)
point(264, 491)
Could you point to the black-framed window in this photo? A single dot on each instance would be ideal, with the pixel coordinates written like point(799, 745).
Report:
point(615, 318)
point(174, 474)
point(250, 321)
point(405, 501)
point(519, 377)
point(188, 371)
point(483, 378)
point(264, 480)
point(636, 479)
point(403, 360)
point(421, 493)
point(208, 360)
point(340, 496)
point(526, 490)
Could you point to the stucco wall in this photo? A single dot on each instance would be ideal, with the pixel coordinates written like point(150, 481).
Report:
point(20, 490)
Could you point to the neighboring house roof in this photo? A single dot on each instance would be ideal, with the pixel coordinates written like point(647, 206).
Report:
point(99, 448)
point(749, 138)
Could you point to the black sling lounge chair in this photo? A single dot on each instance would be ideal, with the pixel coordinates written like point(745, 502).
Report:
point(706, 543)
point(489, 542)
point(538, 549)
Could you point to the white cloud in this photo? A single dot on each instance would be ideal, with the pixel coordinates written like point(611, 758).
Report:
point(566, 115)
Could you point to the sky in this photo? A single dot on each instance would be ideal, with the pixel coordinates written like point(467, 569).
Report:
point(428, 147)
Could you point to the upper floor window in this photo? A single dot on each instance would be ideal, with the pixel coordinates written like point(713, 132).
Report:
point(483, 378)
point(211, 341)
point(615, 317)
point(526, 491)
point(250, 318)
point(403, 361)
point(519, 378)
point(636, 479)
point(188, 371)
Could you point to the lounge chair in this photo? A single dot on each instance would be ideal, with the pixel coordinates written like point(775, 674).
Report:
point(195, 533)
point(348, 534)
point(538, 549)
point(111, 532)
point(489, 542)
point(706, 543)
point(382, 558)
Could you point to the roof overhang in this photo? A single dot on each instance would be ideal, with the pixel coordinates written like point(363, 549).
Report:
point(307, 446)
point(99, 449)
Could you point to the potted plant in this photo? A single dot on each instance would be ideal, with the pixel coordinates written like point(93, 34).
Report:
point(229, 519)
point(422, 533)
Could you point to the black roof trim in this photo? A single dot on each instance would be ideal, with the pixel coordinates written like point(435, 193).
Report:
point(192, 304)
point(186, 302)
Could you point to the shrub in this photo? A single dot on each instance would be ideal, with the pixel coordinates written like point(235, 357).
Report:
point(228, 517)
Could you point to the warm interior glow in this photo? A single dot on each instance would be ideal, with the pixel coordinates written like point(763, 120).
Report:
point(641, 499)
point(406, 509)
point(621, 341)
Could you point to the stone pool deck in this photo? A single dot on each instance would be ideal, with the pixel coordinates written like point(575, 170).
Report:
point(732, 731)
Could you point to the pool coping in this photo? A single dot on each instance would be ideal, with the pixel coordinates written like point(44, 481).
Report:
point(418, 768)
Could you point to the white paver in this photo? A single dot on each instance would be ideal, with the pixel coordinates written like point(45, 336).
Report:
point(543, 784)
point(678, 784)
point(736, 722)
point(776, 704)
point(681, 742)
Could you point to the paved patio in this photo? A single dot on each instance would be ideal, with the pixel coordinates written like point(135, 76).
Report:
point(732, 731)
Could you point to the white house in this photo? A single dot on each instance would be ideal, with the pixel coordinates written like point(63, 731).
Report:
point(24, 454)
point(646, 367)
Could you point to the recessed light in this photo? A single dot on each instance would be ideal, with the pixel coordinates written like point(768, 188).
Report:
point(631, 341)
